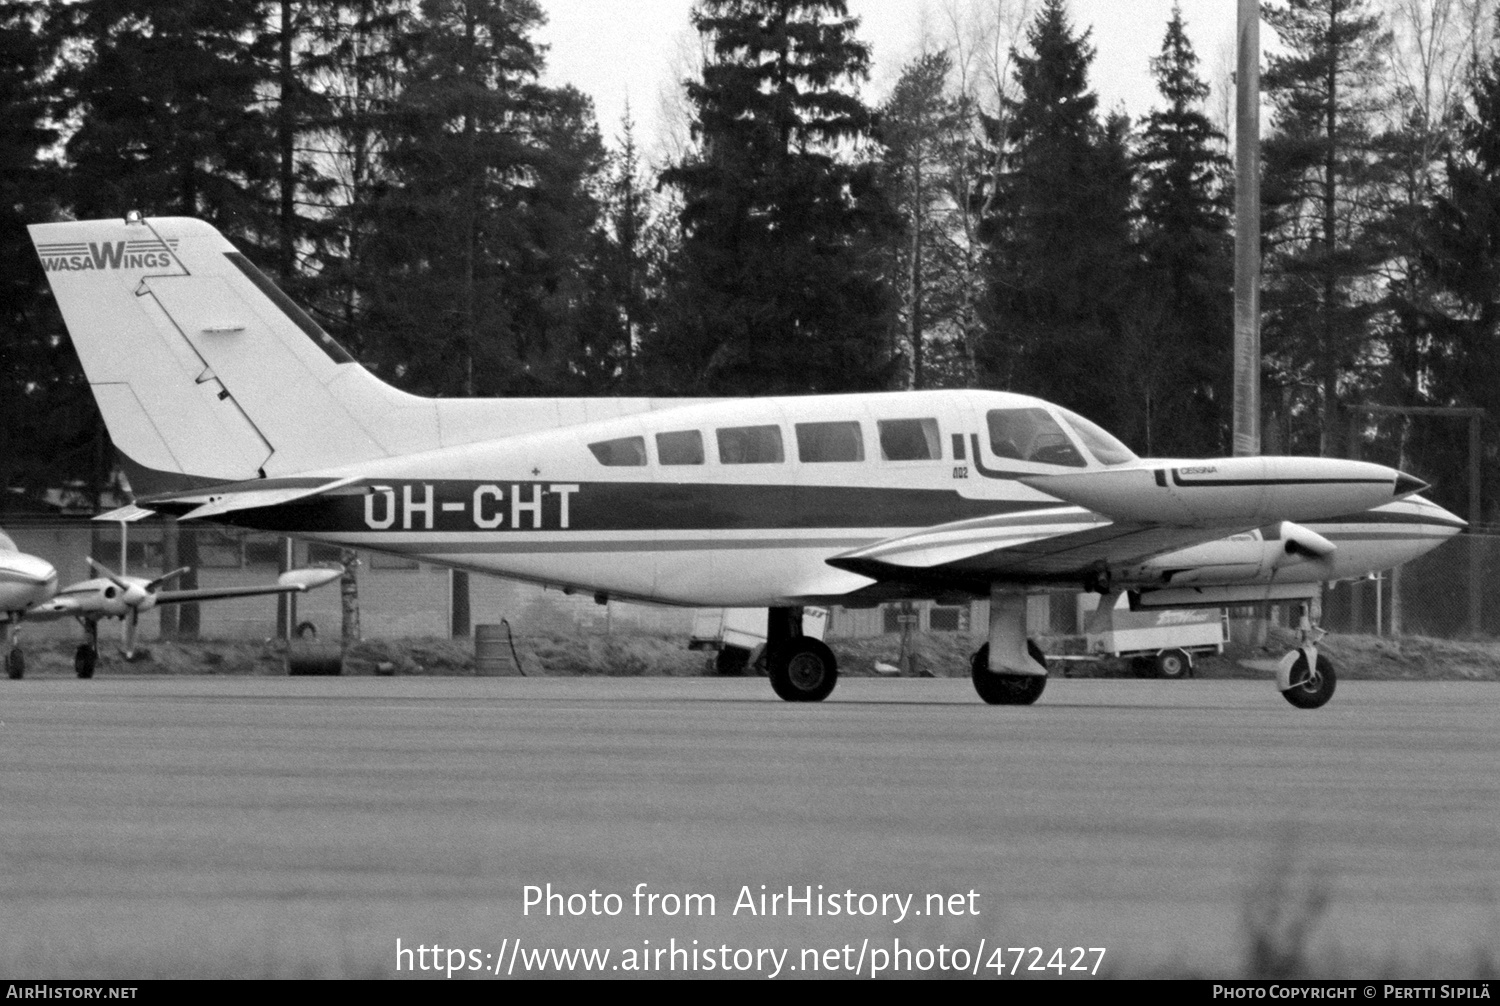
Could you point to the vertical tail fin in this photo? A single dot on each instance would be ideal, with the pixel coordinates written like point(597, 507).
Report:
point(206, 372)
point(203, 368)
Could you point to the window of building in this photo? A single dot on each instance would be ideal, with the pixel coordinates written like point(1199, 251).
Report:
point(680, 447)
point(841, 441)
point(947, 619)
point(624, 452)
point(910, 440)
point(218, 550)
point(318, 553)
point(750, 445)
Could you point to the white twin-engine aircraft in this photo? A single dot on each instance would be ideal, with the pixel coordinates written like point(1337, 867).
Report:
point(231, 404)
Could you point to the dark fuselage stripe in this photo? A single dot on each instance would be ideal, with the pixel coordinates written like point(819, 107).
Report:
point(478, 547)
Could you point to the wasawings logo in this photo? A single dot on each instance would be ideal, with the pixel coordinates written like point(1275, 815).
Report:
point(147, 253)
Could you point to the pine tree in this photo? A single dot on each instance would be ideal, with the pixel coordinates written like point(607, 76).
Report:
point(474, 260)
point(1323, 174)
point(776, 288)
point(51, 433)
point(167, 100)
point(1059, 232)
point(925, 131)
point(1459, 252)
point(1184, 294)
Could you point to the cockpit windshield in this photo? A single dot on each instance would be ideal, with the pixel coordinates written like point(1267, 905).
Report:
point(1100, 443)
point(1031, 435)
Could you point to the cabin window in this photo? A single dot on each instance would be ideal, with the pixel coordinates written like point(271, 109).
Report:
point(680, 447)
point(910, 440)
point(624, 452)
point(830, 442)
point(1100, 443)
point(1031, 435)
point(750, 445)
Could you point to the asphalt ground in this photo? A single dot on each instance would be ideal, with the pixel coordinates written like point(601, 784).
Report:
point(254, 827)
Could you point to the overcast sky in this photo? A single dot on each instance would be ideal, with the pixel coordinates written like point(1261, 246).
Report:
point(613, 48)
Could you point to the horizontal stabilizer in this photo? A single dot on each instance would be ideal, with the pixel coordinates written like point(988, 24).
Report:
point(128, 514)
point(217, 504)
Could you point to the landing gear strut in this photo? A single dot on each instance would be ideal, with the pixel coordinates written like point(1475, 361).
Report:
point(1305, 676)
point(801, 668)
point(15, 659)
point(86, 657)
point(1009, 670)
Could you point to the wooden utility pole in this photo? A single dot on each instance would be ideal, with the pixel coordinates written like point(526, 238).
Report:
point(1247, 234)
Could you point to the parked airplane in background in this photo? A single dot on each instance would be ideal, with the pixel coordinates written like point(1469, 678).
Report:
point(242, 410)
point(25, 582)
point(111, 595)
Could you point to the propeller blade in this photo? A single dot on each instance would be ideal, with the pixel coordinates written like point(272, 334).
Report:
point(106, 572)
point(151, 587)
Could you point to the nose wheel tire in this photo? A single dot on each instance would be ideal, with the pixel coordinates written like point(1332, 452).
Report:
point(1311, 688)
point(1000, 689)
point(15, 664)
point(804, 670)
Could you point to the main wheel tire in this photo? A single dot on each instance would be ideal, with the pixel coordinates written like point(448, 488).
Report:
point(1173, 664)
point(15, 664)
point(1311, 690)
point(999, 689)
point(732, 661)
point(804, 670)
point(1142, 667)
point(85, 658)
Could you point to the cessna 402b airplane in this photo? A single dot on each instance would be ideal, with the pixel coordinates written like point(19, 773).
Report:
point(232, 405)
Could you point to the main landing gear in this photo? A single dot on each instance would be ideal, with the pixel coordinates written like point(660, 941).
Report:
point(1010, 669)
point(801, 668)
point(1305, 676)
point(15, 658)
point(1001, 689)
point(86, 657)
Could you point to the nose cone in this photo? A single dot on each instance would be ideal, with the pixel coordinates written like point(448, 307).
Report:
point(1406, 485)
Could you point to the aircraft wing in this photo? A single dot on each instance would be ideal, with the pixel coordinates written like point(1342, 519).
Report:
point(49, 611)
point(295, 581)
point(1042, 546)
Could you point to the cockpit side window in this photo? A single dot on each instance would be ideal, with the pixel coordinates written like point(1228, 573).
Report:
point(680, 447)
point(1100, 443)
point(624, 452)
point(910, 440)
point(1031, 435)
point(750, 445)
point(830, 442)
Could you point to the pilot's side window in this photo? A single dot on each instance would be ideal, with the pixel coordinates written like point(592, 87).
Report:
point(680, 447)
point(910, 440)
point(624, 452)
point(750, 445)
point(830, 442)
point(1031, 435)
